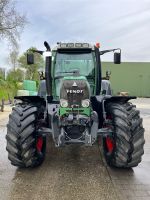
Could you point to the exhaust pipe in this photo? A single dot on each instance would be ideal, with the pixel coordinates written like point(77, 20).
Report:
point(48, 75)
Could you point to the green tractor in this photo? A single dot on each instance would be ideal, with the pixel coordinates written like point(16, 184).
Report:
point(73, 109)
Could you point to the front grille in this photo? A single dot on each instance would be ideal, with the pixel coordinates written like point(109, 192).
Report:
point(74, 94)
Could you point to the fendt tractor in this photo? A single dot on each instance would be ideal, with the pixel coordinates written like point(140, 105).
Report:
point(73, 109)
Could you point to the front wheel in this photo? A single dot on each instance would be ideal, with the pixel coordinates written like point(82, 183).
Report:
point(25, 148)
point(125, 147)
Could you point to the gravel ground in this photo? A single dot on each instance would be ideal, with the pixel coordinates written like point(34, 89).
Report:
point(75, 172)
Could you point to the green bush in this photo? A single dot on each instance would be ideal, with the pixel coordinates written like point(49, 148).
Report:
point(2, 83)
point(7, 88)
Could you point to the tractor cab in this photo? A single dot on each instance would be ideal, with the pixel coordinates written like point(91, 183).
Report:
point(74, 60)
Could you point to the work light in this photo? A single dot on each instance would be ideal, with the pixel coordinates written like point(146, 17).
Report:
point(85, 103)
point(63, 103)
point(78, 45)
point(70, 45)
point(85, 45)
point(63, 45)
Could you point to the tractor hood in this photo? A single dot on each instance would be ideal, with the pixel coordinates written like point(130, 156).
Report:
point(75, 89)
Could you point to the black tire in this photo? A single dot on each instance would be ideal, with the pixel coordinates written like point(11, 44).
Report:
point(22, 138)
point(127, 136)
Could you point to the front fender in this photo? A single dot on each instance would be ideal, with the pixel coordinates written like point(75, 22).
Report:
point(31, 99)
point(100, 102)
point(123, 99)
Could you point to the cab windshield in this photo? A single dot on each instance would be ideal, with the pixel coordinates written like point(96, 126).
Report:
point(66, 64)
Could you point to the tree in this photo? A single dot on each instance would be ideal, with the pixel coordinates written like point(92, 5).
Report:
point(31, 70)
point(11, 22)
point(15, 76)
point(2, 73)
point(13, 57)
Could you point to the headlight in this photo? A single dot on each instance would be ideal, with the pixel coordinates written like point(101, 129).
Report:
point(85, 103)
point(63, 103)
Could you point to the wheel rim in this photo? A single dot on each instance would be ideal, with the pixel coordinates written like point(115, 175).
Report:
point(109, 144)
point(39, 144)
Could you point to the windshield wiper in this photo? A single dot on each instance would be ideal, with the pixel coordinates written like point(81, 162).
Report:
point(75, 72)
point(88, 77)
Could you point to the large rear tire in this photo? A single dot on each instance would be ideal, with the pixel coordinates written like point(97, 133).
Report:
point(126, 145)
point(25, 148)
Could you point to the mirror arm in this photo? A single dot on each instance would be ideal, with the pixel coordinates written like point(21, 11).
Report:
point(38, 51)
point(110, 50)
point(35, 51)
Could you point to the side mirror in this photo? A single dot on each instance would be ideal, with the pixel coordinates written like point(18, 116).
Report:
point(30, 59)
point(117, 58)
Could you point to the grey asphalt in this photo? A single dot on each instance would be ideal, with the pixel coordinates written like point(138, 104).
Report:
point(76, 172)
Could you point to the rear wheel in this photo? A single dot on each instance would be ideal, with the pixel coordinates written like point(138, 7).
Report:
point(124, 148)
point(25, 148)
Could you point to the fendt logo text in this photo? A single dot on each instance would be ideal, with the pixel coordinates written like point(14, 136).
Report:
point(74, 91)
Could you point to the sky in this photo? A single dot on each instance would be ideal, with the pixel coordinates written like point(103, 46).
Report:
point(121, 24)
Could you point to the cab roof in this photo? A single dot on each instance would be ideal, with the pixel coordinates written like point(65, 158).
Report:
point(73, 46)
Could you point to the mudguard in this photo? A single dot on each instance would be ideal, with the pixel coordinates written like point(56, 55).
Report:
point(31, 99)
point(109, 98)
point(100, 102)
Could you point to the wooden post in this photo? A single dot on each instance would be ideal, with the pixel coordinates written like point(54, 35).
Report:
point(10, 101)
point(2, 106)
